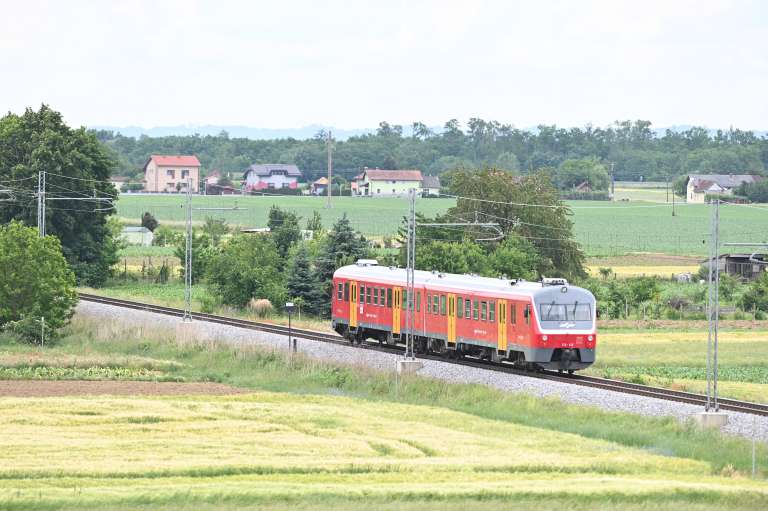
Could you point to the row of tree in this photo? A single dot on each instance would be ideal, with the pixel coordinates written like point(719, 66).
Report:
point(635, 150)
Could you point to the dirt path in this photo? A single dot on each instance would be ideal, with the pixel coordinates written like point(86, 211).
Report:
point(47, 388)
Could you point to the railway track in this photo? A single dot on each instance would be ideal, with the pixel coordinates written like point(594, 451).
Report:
point(586, 381)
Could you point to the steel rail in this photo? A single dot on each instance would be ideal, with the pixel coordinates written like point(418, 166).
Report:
point(313, 335)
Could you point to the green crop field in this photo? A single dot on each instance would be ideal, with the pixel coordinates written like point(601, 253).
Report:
point(603, 228)
point(301, 434)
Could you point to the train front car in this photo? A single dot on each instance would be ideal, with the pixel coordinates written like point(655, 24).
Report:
point(565, 319)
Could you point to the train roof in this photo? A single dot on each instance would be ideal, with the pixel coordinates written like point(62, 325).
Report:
point(369, 270)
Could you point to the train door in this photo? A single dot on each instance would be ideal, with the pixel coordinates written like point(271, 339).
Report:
point(501, 317)
point(451, 318)
point(353, 305)
point(397, 308)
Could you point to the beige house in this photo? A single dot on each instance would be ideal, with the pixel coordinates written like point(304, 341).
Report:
point(169, 173)
point(700, 185)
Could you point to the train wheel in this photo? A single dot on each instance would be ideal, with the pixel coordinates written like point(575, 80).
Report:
point(570, 371)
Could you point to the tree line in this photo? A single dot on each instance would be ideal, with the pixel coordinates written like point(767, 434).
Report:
point(633, 149)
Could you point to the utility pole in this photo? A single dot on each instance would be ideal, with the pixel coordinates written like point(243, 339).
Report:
point(329, 147)
point(188, 252)
point(613, 182)
point(188, 258)
point(667, 199)
point(713, 306)
point(41, 203)
point(410, 275)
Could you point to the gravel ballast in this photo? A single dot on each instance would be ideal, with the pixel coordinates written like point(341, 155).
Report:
point(741, 424)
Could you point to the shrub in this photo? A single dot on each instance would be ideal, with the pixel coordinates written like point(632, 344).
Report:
point(149, 221)
point(261, 307)
point(37, 282)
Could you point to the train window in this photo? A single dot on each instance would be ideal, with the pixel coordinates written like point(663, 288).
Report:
point(483, 310)
point(389, 297)
point(346, 291)
point(460, 307)
point(527, 314)
point(513, 314)
point(580, 312)
point(435, 304)
point(475, 310)
point(467, 309)
point(370, 295)
point(442, 305)
point(429, 301)
point(362, 294)
point(375, 295)
point(404, 296)
point(418, 301)
point(340, 291)
point(492, 312)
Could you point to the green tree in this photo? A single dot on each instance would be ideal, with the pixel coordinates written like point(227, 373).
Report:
point(37, 281)
point(528, 207)
point(203, 252)
point(755, 192)
point(756, 296)
point(303, 283)
point(149, 221)
point(516, 258)
point(315, 224)
point(285, 229)
point(342, 245)
point(215, 229)
point(247, 267)
point(574, 172)
point(77, 165)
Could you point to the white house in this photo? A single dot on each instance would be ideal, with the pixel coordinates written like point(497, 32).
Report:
point(388, 183)
point(270, 176)
point(699, 185)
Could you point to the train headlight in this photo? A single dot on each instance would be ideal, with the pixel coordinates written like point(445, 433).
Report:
point(544, 338)
point(590, 338)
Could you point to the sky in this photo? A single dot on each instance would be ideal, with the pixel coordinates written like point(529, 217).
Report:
point(353, 64)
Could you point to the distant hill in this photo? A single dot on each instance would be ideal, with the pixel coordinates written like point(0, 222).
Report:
point(235, 131)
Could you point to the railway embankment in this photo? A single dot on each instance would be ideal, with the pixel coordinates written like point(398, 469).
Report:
point(740, 424)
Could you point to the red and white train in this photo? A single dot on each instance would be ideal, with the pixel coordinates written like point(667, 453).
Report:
point(548, 324)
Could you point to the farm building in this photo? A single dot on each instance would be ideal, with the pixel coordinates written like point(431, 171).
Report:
point(271, 176)
point(137, 236)
point(742, 266)
point(319, 187)
point(699, 186)
point(118, 182)
point(430, 186)
point(163, 173)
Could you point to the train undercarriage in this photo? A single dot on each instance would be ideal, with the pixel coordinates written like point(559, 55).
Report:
point(560, 359)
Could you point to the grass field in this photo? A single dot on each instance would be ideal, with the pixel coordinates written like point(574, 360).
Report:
point(603, 228)
point(309, 435)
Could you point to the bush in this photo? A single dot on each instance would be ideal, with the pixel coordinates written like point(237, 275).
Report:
point(165, 237)
point(261, 308)
point(149, 221)
point(37, 282)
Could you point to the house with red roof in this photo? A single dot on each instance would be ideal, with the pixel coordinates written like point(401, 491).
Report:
point(170, 173)
point(271, 176)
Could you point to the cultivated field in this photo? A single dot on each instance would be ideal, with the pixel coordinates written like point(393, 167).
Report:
point(603, 228)
point(675, 358)
point(305, 435)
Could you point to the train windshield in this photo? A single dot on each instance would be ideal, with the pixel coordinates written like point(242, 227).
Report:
point(566, 312)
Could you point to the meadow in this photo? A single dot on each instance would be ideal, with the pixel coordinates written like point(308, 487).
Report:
point(602, 228)
point(309, 435)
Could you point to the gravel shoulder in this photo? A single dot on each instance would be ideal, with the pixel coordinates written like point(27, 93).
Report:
point(738, 423)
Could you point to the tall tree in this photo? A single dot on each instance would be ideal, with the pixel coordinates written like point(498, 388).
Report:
point(36, 283)
point(527, 206)
point(77, 166)
point(303, 281)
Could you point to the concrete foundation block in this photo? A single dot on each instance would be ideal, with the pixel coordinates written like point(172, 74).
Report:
point(709, 420)
point(409, 366)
